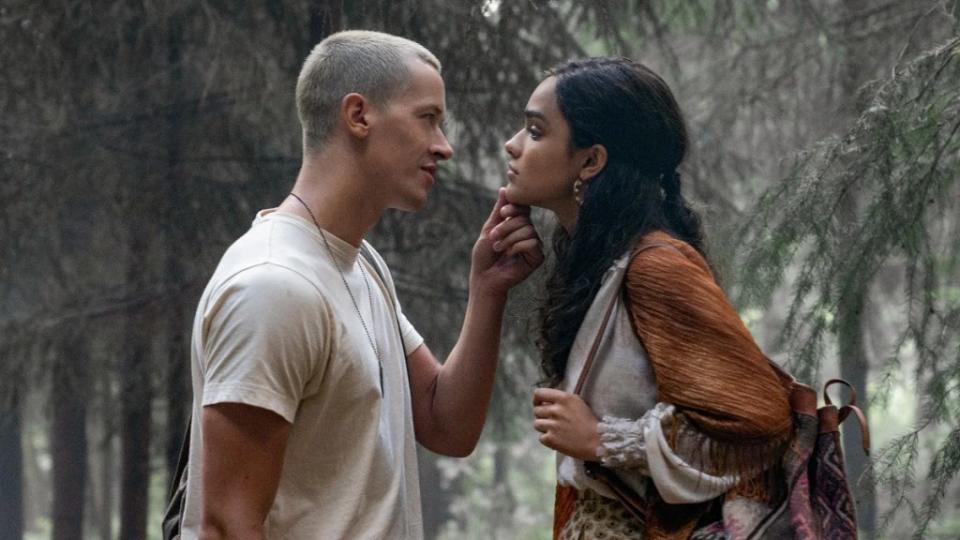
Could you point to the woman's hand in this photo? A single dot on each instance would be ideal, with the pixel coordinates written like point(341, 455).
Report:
point(566, 423)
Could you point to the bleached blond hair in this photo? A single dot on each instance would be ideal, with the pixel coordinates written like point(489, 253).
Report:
point(372, 64)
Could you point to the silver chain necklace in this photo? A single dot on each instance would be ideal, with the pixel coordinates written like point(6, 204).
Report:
point(356, 306)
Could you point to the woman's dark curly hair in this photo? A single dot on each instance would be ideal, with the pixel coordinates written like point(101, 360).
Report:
point(628, 109)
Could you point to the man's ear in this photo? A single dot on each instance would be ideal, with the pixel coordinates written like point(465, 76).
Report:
point(355, 111)
point(594, 160)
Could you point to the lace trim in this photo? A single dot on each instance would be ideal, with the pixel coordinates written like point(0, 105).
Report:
point(622, 440)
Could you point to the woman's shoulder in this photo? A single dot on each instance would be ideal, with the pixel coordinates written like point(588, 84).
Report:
point(662, 253)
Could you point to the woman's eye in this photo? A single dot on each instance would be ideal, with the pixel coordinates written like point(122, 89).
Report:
point(534, 132)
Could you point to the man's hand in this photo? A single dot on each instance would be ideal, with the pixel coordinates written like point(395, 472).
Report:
point(508, 249)
point(566, 423)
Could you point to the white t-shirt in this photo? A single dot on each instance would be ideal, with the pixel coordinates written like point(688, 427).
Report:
point(275, 328)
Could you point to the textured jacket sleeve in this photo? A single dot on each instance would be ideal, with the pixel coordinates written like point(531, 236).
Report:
point(722, 410)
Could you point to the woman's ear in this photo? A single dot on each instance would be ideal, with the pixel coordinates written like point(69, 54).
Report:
point(355, 109)
point(594, 160)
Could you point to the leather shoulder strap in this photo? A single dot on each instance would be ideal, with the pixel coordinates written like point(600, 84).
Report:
point(591, 356)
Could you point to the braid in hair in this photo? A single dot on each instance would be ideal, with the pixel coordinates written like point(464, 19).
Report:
point(683, 221)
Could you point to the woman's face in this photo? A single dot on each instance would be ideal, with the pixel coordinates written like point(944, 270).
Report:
point(541, 168)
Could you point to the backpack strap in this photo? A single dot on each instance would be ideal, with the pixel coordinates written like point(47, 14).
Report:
point(851, 407)
point(173, 514)
point(367, 254)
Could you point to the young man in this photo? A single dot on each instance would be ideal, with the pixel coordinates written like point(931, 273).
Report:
point(308, 400)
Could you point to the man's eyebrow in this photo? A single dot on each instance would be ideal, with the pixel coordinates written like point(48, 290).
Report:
point(530, 113)
point(431, 108)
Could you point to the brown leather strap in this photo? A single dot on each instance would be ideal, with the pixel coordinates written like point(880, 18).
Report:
point(627, 496)
point(828, 420)
point(826, 395)
point(862, 420)
point(564, 503)
point(630, 499)
point(850, 407)
point(594, 348)
point(591, 356)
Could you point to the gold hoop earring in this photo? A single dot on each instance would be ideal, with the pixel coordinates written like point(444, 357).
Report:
point(578, 191)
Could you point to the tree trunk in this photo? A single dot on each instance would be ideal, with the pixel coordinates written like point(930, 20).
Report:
point(135, 427)
point(854, 365)
point(177, 393)
point(107, 473)
point(135, 399)
point(435, 500)
point(326, 17)
point(68, 439)
point(854, 369)
point(11, 468)
point(136, 391)
point(504, 503)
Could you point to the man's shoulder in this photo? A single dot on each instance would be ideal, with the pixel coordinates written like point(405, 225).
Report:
point(266, 283)
point(267, 237)
point(272, 251)
point(379, 264)
point(373, 256)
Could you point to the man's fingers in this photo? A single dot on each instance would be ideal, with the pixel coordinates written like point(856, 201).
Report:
point(529, 249)
point(542, 425)
point(510, 210)
point(506, 227)
point(512, 237)
point(495, 216)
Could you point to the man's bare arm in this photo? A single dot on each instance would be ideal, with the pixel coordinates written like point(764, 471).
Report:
point(243, 449)
point(450, 401)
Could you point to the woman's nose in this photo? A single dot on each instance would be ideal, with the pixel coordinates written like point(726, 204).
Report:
point(512, 147)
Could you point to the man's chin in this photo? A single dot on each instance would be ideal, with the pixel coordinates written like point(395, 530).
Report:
point(411, 204)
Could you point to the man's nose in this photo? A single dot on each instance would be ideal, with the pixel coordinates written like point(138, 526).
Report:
point(442, 149)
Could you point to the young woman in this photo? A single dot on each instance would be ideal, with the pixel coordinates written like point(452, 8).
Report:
point(680, 404)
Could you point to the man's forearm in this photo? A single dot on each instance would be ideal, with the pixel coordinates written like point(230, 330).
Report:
point(465, 382)
point(450, 401)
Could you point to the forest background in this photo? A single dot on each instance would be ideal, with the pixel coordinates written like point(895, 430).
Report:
point(139, 137)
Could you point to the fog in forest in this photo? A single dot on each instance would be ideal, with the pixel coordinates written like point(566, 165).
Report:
point(139, 138)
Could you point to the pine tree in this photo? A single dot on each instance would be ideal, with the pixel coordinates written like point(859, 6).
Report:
point(902, 157)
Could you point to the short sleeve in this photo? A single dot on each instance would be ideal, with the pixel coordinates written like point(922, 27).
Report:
point(267, 335)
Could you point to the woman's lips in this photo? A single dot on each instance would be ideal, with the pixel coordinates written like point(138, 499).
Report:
point(511, 173)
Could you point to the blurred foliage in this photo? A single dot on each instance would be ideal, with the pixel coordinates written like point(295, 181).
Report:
point(139, 137)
